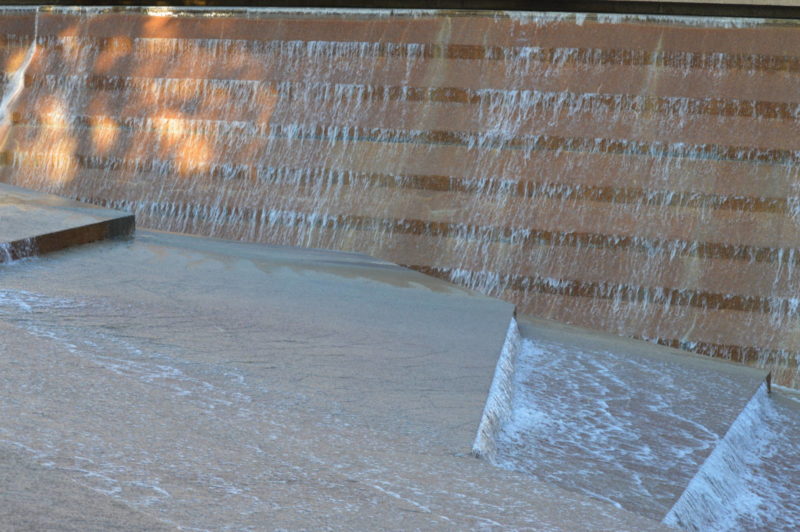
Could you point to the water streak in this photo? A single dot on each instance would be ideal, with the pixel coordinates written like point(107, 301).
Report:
point(523, 168)
point(500, 401)
point(16, 82)
point(630, 430)
point(749, 481)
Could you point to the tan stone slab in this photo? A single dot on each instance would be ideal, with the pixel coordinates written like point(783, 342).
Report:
point(720, 226)
point(689, 324)
point(511, 121)
point(33, 223)
point(603, 265)
point(17, 21)
point(577, 169)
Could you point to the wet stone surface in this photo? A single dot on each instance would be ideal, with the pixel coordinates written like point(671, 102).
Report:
point(211, 385)
point(619, 425)
point(32, 223)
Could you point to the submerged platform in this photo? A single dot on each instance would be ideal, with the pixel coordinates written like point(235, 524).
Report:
point(196, 383)
point(625, 421)
point(173, 382)
point(34, 223)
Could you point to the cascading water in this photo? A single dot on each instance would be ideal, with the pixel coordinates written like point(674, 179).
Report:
point(636, 431)
point(500, 402)
point(749, 481)
point(5, 252)
point(16, 83)
point(20, 249)
point(541, 158)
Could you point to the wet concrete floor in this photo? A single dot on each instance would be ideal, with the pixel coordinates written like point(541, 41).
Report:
point(179, 382)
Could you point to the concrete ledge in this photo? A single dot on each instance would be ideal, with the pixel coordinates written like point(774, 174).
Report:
point(34, 223)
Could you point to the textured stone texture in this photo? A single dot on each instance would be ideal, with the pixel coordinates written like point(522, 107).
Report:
point(633, 174)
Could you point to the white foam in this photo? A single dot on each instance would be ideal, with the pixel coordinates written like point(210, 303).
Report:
point(625, 429)
point(738, 488)
point(17, 80)
point(500, 401)
point(5, 252)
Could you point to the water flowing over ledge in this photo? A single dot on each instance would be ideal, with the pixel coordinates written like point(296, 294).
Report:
point(20, 249)
point(749, 480)
point(500, 401)
point(620, 421)
point(549, 159)
point(16, 82)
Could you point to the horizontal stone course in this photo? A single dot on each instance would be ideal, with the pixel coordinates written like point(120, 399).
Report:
point(693, 178)
point(700, 123)
point(614, 267)
point(754, 332)
point(522, 239)
point(534, 51)
point(779, 39)
point(765, 79)
point(637, 175)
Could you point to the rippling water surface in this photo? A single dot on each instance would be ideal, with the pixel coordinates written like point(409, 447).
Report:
point(637, 431)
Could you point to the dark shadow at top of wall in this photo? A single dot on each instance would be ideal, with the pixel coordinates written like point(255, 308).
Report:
point(762, 9)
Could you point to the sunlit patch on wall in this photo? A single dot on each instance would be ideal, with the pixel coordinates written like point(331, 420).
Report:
point(15, 61)
point(104, 133)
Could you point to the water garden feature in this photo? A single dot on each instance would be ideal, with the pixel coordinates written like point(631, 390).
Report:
point(633, 175)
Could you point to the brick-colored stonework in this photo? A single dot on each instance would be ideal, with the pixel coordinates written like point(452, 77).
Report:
point(637, 175)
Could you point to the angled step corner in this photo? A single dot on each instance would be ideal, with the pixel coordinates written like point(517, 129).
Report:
point(621, 420)
point(34, 223)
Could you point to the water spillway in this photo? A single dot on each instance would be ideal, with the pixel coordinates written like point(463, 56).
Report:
point(630, 174)
point(630, 424)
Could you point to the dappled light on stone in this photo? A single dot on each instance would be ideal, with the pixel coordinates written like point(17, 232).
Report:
point(394, 195)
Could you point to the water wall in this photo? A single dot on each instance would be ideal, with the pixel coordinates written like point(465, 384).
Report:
point(637, 175)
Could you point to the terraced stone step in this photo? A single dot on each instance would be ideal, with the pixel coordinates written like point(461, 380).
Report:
point(278, 209)
point(661, 264)
point(243, 137)
point(625, 422)
point(754, 338)
point(464, 29)
point(611, 271)
point(702, 183)
point(444, 123)
point(220, 92)
point(34, 223)
point(413, 122)
point(441, 213)
point(630, 292)
point(759, 79)
point(223, 49)
point(737, 86)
